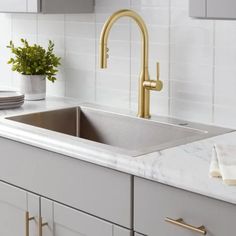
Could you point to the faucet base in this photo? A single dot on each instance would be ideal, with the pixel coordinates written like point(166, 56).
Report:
point(144, 116)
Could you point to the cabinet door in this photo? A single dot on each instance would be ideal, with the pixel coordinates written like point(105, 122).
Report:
point(65, 221)
point(197, 8)
point(221, 9)
point(158, 206)
point(67, 6)
point(33, 210)
point(13, 211)
point(13, 206)
point(33, 6)
point(13, 5)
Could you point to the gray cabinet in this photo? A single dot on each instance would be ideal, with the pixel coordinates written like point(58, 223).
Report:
point(14, 6)
point(87, 199)
point(154, 202)
point(218, 9)
point(197, 8)
point(221, 9)
point(94, 189)
point(16, 206)
point(26, 214)
point(47, 6)
point(62, 220)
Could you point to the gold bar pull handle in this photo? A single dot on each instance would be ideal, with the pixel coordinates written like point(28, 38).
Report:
point(41, 225)
point(180, 222)
point(27, 221)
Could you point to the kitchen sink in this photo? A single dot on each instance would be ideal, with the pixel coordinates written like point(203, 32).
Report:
point(123, 133)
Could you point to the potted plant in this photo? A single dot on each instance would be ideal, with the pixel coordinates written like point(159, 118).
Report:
point(35, 64)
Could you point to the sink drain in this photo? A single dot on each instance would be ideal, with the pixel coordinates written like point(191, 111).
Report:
point(183, 124)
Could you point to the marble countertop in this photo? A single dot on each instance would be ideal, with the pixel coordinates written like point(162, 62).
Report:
point(185, 166)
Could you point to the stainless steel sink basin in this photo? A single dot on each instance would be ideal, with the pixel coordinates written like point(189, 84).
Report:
point(125, 133)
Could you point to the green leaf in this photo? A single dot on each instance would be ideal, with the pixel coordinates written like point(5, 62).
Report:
point(34, 59)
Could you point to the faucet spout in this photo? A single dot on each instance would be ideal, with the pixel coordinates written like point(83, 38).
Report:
point(107, 28)
point(144, 90)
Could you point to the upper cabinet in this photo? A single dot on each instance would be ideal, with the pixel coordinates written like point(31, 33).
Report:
point(48, 6)
point(217, 9)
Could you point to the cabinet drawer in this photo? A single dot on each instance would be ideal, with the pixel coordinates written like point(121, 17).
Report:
point(153, 202)
point(94, 189)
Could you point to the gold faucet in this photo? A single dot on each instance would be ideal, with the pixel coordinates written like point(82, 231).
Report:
point(145, 84)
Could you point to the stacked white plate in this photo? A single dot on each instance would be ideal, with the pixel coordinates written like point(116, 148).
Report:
point(11, 99)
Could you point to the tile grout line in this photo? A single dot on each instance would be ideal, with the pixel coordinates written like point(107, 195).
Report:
point(64, 69)
point(12, 82)
point(95, 53)
point(37, 29)
point(130, 61)
point(169, 59)
point(213, 73)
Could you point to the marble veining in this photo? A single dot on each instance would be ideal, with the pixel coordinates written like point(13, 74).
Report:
point(185, 166)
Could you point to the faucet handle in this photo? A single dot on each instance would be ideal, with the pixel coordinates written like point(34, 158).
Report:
point(157, 84)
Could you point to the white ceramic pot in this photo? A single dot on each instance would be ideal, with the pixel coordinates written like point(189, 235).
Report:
point(33, 87)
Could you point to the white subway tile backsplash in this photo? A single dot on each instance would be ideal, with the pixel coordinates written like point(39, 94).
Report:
point(191, 72)
point(6, 35)
point(51, 24)
point(51, 27)
point(225, 86)
point(86, 18)
point(225, 33)
point(79, 61)
point(197, 58)
point(225, 73)
point(79, 29)
point(225, 116)
point(158, 52)
point(80, 45)
point(119, 32)
point(158, 16)
point(24, 25)
point(191, 91)
point(112, 97)
point(5, 29)
point(225, 56)
point(202, 55)
point(57, 88)
point(194, 111)
point(191, 35)
point(80, 84)
point(191, 65)
point(112, 84)
point(159, 104)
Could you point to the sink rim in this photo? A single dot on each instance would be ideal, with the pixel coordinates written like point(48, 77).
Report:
point(203, 133)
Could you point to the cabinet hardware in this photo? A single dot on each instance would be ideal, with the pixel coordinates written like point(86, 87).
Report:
point(180, 222)
point(27, 221)
point(41, 225)
point(157, 84)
